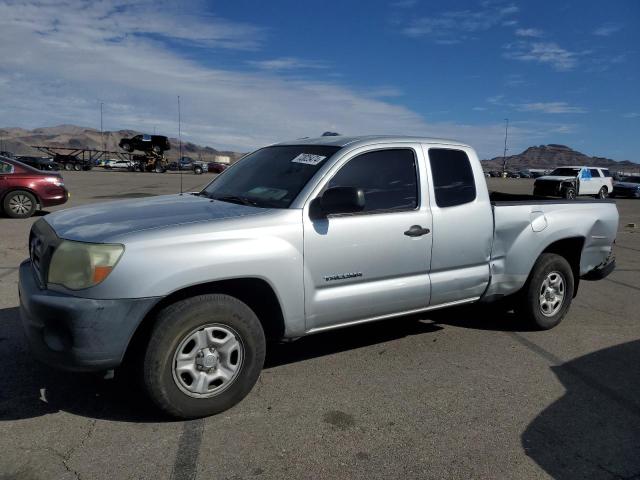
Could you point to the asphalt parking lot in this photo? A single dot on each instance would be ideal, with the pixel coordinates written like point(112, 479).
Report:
point(450, 394)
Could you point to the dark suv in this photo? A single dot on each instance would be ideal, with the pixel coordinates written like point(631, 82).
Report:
point(23, 189)
point(146, 143)
point(41, 163)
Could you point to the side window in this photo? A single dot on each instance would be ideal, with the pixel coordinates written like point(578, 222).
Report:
point(387, 177)
point(6, 167)
point(453, 180)
point(605, 172)
point(594, 172)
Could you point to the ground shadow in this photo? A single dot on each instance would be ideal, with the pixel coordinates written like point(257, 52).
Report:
point(593, 431)
point(29, 389)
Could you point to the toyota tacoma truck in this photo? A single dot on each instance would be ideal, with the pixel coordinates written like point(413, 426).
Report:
point(295, 239)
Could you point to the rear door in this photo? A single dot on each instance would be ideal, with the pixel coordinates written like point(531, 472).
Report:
point(462, 225)
point(364, 266)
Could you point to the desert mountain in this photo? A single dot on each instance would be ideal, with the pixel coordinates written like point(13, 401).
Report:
point(551, 156)
point(19, 141)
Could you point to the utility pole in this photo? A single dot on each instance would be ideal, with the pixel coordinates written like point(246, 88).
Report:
point(101, 130)
point(504, 153)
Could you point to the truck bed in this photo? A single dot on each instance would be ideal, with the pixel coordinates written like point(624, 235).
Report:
point(501, 198)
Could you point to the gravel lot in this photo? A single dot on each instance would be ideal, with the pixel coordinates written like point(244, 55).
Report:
point(441, 395)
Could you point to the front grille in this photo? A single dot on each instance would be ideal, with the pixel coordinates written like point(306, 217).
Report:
point(42, 243)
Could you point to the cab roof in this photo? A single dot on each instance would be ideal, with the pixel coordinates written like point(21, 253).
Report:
point(343, 141)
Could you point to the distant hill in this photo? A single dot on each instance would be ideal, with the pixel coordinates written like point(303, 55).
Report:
point(18, 141)
point(553, 155)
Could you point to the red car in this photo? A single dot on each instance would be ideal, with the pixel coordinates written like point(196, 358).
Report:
point(217, 167)
point(23, 189)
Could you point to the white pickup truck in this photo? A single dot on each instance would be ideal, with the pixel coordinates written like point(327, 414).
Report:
point(570, 182)
point(295, 239)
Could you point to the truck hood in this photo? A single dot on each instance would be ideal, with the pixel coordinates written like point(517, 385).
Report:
point(104, 221)
point(555, 179)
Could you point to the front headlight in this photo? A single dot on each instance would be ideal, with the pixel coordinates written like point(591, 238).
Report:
point(78, 265)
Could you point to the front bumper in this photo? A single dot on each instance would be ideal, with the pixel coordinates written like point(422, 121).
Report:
point(601, 271)
point(74, 333)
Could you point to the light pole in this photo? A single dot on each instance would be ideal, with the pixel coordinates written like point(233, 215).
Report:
point(101, 130)
point(504, 153)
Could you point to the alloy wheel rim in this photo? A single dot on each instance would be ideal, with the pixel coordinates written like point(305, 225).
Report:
point(20, 204)
point(551, 294)
point(208, 360)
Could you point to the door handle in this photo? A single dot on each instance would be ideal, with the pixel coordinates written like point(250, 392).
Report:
point(416, 231)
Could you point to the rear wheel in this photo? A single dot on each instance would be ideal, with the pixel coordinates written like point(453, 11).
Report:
point(68, 166)
point(156, 149)
point(204, 355)
point(159, 168)
point(546, 297)
point(197, 170)
point(20, 204)
point(126, 146)
point(602, 194)
point(77, 167)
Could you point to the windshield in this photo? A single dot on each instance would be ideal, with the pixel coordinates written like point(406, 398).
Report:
point(630, 179)
point(271, 176)
point(565, 172)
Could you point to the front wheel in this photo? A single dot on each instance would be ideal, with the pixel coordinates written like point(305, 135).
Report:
point(546, 297)
point(197, 170)
point(204, 355)
point(570, 193)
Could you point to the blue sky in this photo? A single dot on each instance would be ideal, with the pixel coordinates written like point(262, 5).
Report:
point(251, 73)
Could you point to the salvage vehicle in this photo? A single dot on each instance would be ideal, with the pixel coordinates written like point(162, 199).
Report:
point(626, 187)
point(39, 163)
point(24, 189)
point(146, 143)
point(295, 239)
point(570, 182)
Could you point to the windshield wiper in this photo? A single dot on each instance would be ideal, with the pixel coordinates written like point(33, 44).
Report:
point(236, 199)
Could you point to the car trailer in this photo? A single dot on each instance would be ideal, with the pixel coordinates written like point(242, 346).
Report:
point(85, 158)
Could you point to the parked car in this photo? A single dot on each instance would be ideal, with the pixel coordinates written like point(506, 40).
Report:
point(146, 143)
point(525, 174)
point(495, 173)
point(297, 238)
point(39, 163)
point(513, 175)
point(119, 164)
point(24, 189)
point(626, 187)
point(188, 164)
point(569, 182)
point(217, 167)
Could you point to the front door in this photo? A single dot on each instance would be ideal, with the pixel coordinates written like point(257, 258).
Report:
point(370, 264)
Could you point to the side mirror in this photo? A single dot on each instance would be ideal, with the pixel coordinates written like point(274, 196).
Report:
point(338, 200)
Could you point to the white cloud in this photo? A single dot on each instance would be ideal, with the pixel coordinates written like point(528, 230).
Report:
point(607, 29)
point(529, 32)
point(542, 52)
point(454, 26)
point(550, 107)
point(286, 63)
point(631, 115)
point(58, 59)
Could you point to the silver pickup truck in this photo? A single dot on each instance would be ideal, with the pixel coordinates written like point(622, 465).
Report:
point(294, 239)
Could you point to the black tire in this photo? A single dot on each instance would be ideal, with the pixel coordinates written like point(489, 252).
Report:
point(77, 167)
point(156, 149)
point(158, 168)
point(197, 170)
point(174, 324)
point(126, 146)
point(19, 204)
point(68, 166)
point(602, 194)
point(528, 305)
point(569, 193)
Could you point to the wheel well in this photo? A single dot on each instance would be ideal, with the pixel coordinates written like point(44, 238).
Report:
point(571, 250)
point(256, 293)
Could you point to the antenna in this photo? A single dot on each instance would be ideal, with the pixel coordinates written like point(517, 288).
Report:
point(180, 143)
point(504, 154)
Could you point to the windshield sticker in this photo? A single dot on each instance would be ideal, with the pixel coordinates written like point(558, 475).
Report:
point(308, 159)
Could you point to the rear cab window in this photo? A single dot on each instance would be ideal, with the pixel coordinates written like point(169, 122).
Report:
point(453, 180)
